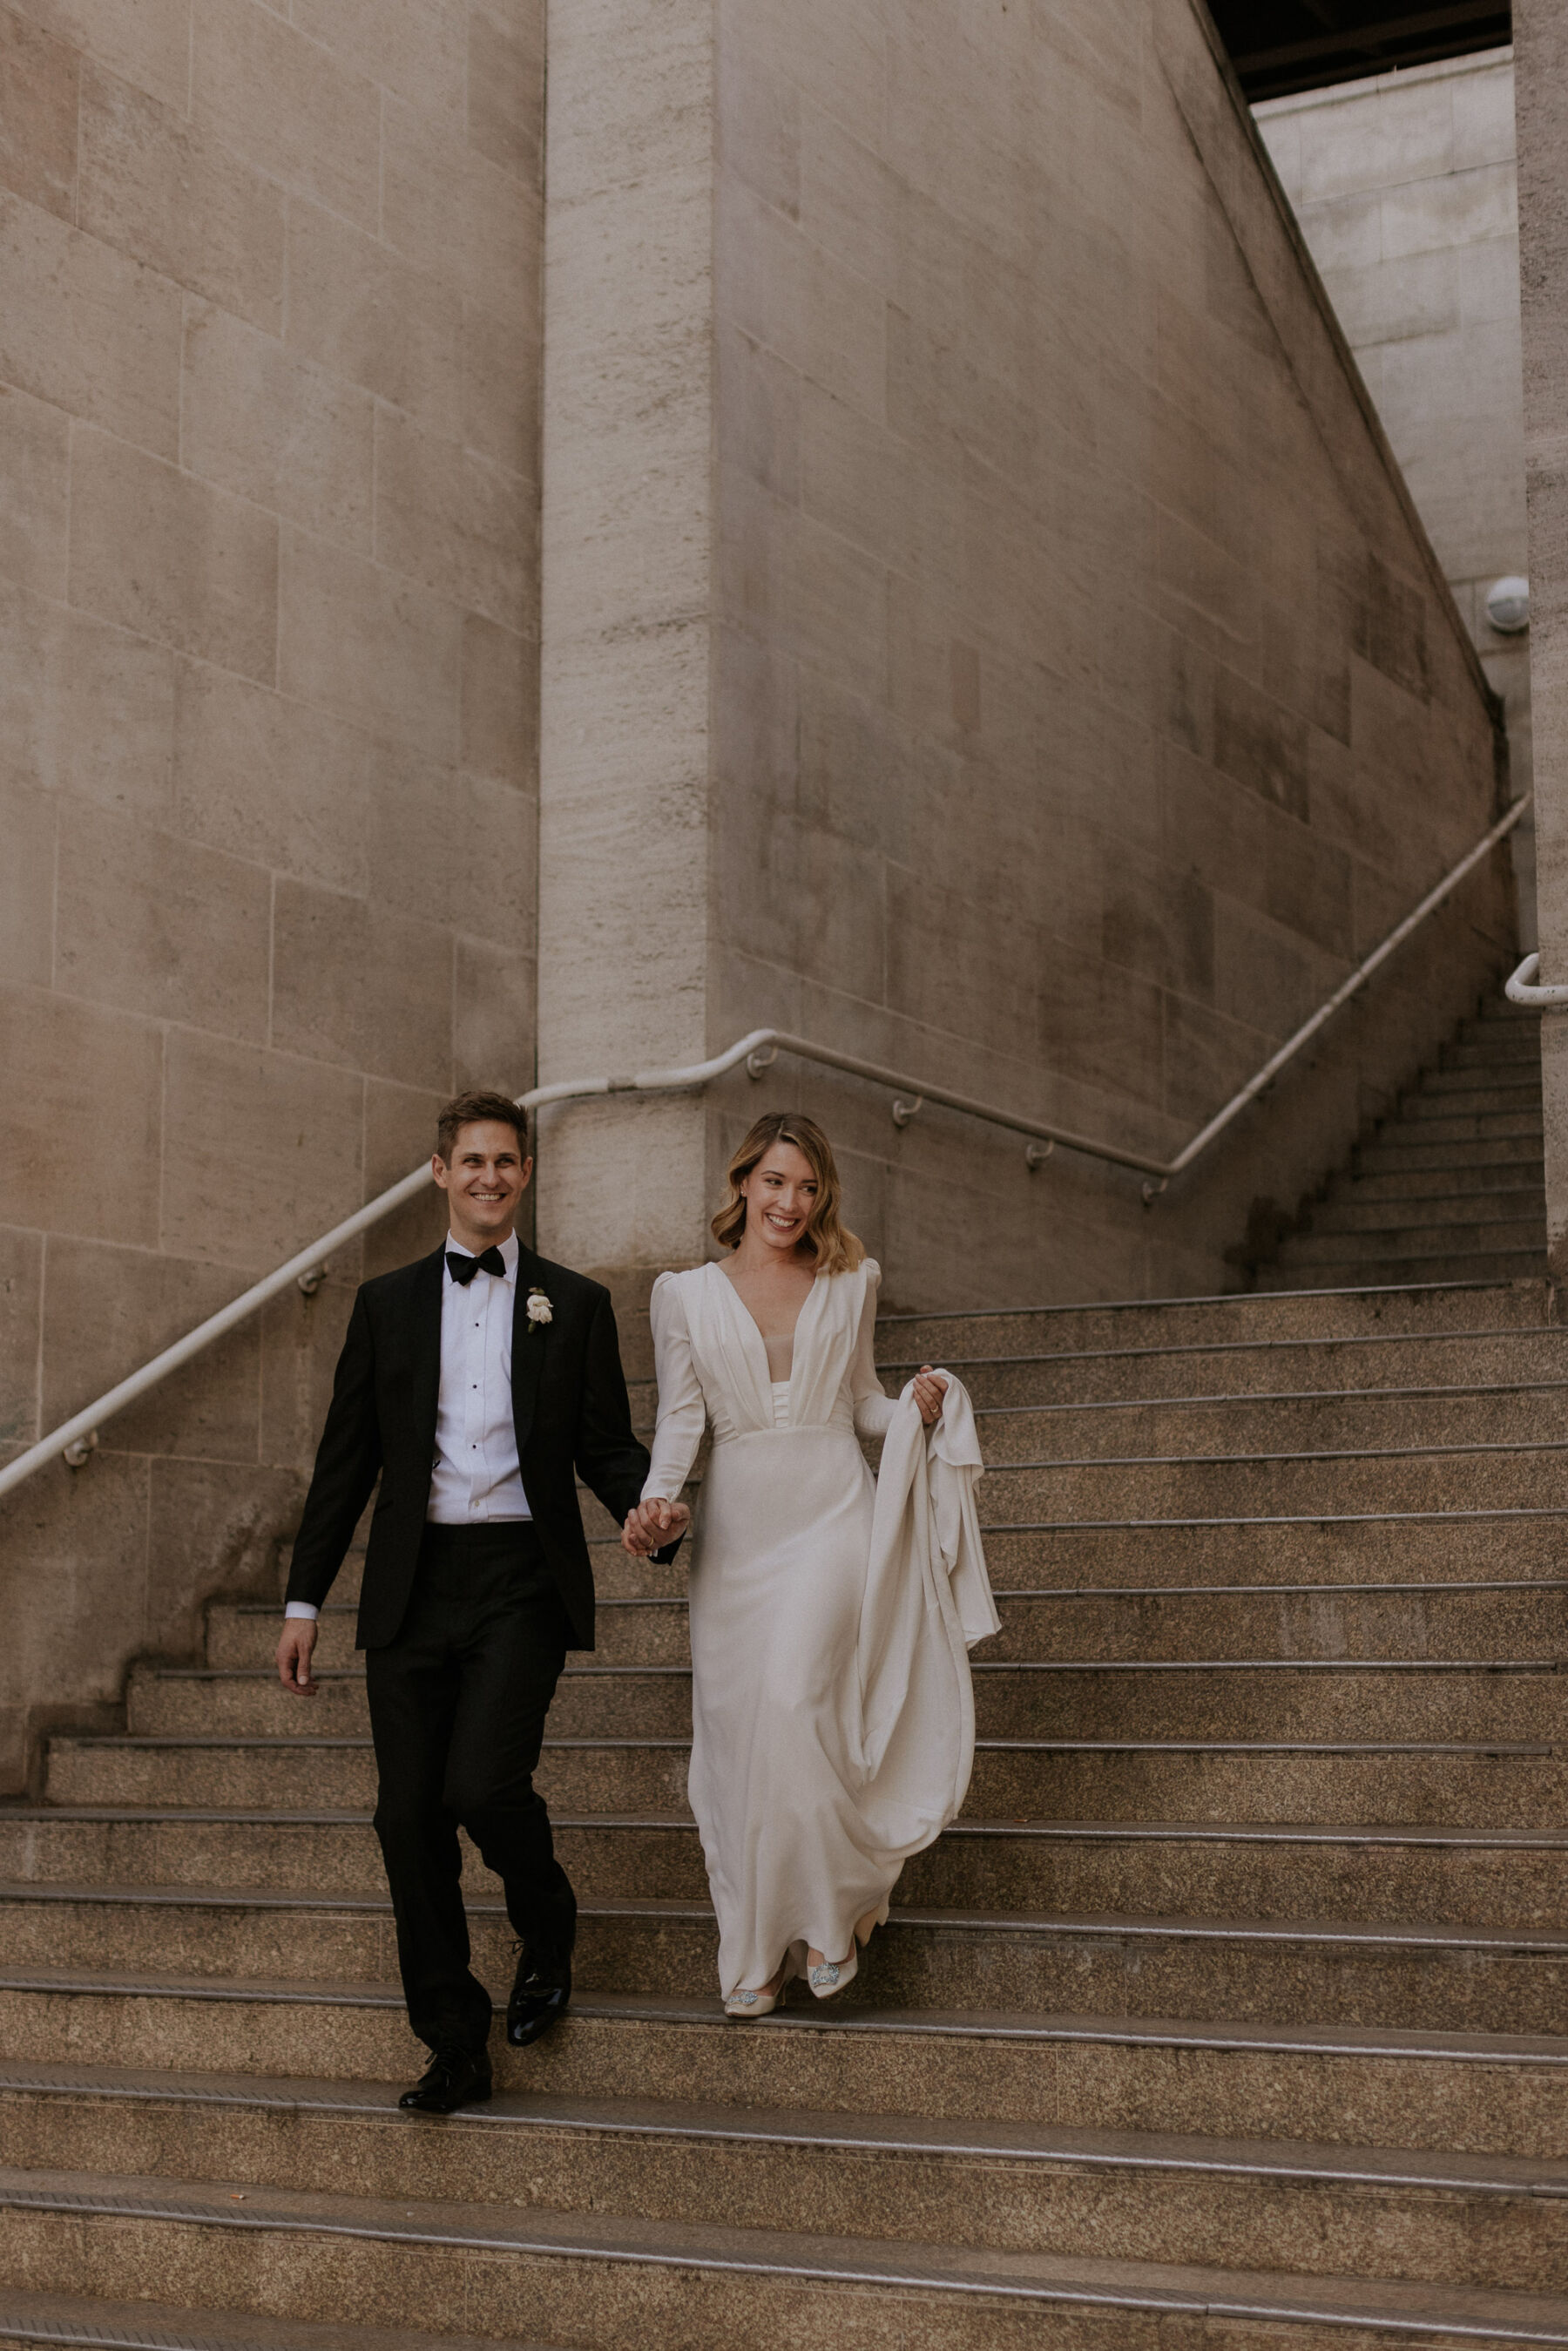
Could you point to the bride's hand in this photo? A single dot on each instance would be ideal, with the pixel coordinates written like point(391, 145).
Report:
point(929, 1389)
point(652, 1524)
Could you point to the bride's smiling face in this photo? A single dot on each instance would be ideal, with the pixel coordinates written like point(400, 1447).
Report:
point(780, 1194)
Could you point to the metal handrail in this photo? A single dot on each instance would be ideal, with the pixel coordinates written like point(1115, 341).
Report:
point(1519, 990)
point(76, 1438)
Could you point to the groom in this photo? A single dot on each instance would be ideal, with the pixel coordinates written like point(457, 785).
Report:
point(473, 1384)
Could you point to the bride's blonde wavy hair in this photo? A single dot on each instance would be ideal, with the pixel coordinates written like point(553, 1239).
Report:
point(836, 1249)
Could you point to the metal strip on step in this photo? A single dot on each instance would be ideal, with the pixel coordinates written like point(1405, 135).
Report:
point(897, 2269)
point(1245, 1396)
point(1246, 1346)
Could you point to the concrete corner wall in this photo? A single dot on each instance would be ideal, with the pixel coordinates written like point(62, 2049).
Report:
point(269, 296)
point(1406, 188)
point(1540, 98)
point(1084, 696)
point(626, 647)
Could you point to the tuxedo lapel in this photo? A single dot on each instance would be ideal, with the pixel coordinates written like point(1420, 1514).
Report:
point(528, 1344)
point(424, 1349)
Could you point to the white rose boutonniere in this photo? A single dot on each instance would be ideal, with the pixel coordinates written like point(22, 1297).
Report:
point(540, 1310)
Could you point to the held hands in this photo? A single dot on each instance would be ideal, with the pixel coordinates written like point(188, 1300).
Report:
point(294, 1652)
point(652, 1524)
point(655, 1521)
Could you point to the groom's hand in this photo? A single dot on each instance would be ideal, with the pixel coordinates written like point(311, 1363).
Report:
point(652, 1524)
point(294, 1653)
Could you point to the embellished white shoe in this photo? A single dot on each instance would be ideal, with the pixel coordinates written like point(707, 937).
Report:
point(832, 1975)
point(749, 2004)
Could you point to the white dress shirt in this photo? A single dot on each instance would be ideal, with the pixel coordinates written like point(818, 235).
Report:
point(477, 1479)
point(477, 1476)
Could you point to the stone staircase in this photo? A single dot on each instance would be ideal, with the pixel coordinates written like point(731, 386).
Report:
point(1233, 2013)
point(1450, 1188)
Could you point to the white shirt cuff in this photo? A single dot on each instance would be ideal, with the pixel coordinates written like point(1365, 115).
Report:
point(301, 1608)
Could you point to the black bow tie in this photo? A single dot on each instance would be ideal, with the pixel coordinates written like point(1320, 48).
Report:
point(463, 1268)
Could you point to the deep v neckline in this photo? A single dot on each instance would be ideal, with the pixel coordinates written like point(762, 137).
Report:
point(755, 1328)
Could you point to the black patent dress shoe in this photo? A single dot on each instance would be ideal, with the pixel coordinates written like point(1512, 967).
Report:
point(539, 1997)
point(454, 2077)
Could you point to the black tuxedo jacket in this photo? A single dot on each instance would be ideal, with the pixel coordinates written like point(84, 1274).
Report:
point(568, 1402)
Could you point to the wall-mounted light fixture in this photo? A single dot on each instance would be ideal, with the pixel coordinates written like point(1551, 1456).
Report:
point(1508, 605)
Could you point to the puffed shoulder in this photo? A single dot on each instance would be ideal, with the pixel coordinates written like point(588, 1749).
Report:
point(674, 1282)
point(667, 1298)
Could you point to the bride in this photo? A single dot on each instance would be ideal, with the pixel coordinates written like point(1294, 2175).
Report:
point(833, 1724)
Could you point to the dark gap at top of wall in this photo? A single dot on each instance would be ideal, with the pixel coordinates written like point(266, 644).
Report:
point(1281, 47)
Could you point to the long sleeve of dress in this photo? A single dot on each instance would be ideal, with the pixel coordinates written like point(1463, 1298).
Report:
point(682, 1408)
point(874, 1407)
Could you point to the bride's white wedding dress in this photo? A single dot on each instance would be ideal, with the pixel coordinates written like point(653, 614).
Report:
point(832, 1723)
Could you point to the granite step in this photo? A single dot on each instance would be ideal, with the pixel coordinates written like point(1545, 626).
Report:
point(617, 1576)
point(245, 1634)
point(1464, 1111)
point(1500, 1179)
point(1419, 1874)
point(1485, 1048)
point(1247, 1368)
point(1353, 1241)
point(1485, 1061)
point(1446, 1121)
point(1496, 1618)
point(1422, 1698)
point(1495, 1785)
point(1510, 1474)
point(1489, 1784)
point(1503, 1077)
point(1408, 1547)
point(1398, 1151)
point(1418, 1309)
point(1464, 2092)
point(92, 2323)
point(1281, 1421)
point(339, 1774)
point(616, 2284)
point(1412, 1266)
point(1018, 2187)
point(1348, 1207)
point(1213, 1970)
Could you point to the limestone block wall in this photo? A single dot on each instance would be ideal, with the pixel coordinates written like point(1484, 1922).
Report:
point(1541, 33)
point(269, 353)
point(971, 555)
point(1406, 186)
point(1086, 696)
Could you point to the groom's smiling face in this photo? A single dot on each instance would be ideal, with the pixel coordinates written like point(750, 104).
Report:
point(485, 1181)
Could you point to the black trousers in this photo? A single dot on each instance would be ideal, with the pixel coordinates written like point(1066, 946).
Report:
point(457, 1712)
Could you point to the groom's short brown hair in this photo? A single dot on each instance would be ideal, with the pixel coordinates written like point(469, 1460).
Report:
point(471, 1110)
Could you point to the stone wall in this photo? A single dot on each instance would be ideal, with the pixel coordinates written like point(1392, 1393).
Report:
point(1405, 189)
point(1062, 694)
point(980, 624)
point(1540, 37)
point(269, 297)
